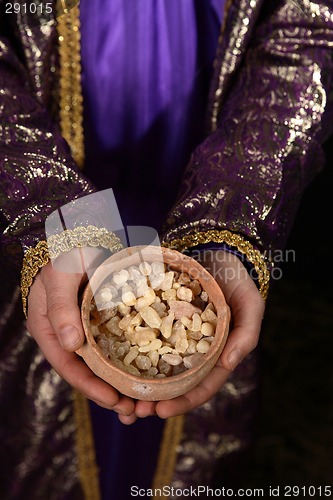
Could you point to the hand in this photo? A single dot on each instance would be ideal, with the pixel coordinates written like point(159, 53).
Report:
point(55, 323)
point(247, 309)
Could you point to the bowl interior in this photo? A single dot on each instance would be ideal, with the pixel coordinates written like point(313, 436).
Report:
point(174, 261)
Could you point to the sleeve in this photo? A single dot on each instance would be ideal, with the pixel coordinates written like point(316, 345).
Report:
point(37, 172)
point(245, 181)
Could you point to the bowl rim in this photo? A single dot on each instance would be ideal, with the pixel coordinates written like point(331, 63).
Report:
point(222, 310)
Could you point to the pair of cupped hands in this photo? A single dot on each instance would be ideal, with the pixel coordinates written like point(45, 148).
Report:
point(55, 323)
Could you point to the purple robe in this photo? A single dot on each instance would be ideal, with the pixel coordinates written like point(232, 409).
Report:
point(269, 112)
point(146, 72)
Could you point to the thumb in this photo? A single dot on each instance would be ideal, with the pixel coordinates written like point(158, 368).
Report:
point(62, 306)
point(247, 309)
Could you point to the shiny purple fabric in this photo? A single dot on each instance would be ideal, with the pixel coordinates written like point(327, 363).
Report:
point(146, 70)
point(274, 78)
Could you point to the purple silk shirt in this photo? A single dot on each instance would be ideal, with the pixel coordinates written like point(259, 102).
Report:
point(146, 71)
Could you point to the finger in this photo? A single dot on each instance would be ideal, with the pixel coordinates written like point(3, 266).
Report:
point(69, 365)
point(247, 308)
point(62, 306)
point(127, 419)
point(73, 369)
point(145, 409)
point(196, 397)
point(125, 407)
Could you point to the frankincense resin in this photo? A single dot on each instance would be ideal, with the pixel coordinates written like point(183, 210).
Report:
point(153, 321)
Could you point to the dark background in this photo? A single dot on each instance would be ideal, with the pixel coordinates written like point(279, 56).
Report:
point(294, 444)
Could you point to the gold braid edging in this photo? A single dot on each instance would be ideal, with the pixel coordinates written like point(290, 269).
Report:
point(168, 453)
point(85, 448)
point(83, 237)
point(70, 87)
point(218, 92)
point(234, 240)
point(36, 258)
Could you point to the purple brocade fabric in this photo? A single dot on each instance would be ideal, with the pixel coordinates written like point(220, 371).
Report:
point(37, 171)
point(218, 436)
point(274, 113)
point(271, 96)
point(37, 429)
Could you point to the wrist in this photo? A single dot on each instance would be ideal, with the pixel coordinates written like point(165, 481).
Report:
point(69, 243)
point(234, 244)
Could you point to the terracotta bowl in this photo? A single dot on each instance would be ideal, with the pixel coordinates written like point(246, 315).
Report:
point(143, 388)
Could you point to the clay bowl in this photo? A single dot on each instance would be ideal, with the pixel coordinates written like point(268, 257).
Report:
point(143, 388)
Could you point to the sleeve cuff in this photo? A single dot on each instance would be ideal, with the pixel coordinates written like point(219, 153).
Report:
point(232, 242)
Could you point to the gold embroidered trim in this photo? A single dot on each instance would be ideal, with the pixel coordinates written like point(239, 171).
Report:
point(218, 91)
point(34, 259)
point(71, 99)
point(85, 448)
point(168, 453)
point(37, 257)
point(80, 237)
point(234, 240)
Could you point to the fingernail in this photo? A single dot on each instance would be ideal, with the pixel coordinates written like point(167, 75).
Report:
point(235, 357)
point(119, 412)
point(69, 337)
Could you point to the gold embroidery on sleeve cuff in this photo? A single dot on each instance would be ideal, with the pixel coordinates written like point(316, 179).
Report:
point(39, 256)
point(82, 237)
point(34, 260)
point(234, 240)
